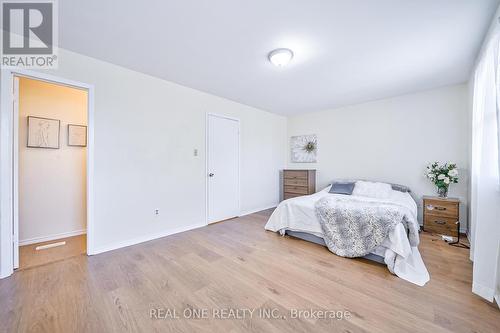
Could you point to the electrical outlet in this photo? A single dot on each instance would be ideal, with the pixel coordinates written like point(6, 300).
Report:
point(195, 152)
point(157, 211)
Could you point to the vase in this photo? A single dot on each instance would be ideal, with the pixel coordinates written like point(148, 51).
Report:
point(442, 192)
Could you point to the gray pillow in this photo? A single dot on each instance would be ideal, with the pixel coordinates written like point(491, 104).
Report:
point(400, 188)
point(342, 188)
point(395, 187)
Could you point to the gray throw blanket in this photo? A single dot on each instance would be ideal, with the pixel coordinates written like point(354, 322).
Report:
point(354, 227)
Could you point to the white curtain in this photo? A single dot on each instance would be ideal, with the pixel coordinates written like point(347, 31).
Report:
point(485, 170)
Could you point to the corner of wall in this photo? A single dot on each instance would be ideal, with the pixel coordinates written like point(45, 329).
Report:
point(483, 291)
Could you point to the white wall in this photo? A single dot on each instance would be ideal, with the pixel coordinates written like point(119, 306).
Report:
point(497, 289)
point(145, 132)
point(392, 140)
point(52, 182)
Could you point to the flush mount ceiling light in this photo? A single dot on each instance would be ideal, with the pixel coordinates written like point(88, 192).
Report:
point(280, 57)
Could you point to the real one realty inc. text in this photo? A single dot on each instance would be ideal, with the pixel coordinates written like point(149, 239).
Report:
point(246, 313)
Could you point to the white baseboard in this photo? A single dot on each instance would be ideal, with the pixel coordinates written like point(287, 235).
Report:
point(497, 299)
point(248, 212)
point(484, 292)
point(35, 240)
point(142, 239)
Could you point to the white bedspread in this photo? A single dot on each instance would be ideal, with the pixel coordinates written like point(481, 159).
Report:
point(298, 214)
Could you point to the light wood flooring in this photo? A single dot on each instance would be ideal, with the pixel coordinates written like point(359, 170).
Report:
point(235, 265)
point(30, 257)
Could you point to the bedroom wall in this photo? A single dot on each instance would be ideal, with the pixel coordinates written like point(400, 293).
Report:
point(146, 131)
point(392, 140)
point(52, 182)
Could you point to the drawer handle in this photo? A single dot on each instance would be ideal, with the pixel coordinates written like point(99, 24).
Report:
point(431, 207)
point(440, 222)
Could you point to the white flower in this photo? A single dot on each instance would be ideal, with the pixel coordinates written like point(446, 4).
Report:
point(430, 176)
point(446, 180)
point(453, 173)
point(442, 176)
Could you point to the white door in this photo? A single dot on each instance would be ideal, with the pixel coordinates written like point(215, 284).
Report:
point(223, 168)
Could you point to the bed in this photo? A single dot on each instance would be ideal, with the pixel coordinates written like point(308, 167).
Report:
point(298, 218)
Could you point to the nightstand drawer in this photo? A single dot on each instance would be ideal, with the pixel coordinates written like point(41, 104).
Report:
point(441, 225)
point(295, 182)
point(296, 189)
point(440, 208)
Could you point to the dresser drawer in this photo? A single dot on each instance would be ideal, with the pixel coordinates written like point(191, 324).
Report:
point(296, 189)
point(441, 225)
point(294, 174)
point(291, 195)
point(441, 208)
point(295, 181)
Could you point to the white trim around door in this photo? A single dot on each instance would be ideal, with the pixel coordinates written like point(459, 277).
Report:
point(8, 158)
point(207, 164)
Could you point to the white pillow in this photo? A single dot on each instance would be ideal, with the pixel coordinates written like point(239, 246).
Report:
point(372, 189)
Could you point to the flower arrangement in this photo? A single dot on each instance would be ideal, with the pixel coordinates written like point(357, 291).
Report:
point(442, 175)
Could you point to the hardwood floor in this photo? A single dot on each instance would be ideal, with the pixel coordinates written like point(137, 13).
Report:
point(30, 257)
point(237, 265)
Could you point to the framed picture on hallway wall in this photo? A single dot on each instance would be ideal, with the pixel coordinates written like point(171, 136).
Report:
point(77, 135)
point(43, 132)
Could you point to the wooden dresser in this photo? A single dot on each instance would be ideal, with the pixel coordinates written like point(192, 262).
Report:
point(298, 182)
point(441, 215)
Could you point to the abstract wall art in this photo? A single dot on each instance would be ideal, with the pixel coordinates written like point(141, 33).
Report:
point(304, 148)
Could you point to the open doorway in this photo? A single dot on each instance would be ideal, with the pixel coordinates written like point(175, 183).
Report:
point(9, 145)
point(50, 160)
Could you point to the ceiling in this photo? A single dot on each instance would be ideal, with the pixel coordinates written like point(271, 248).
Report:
point(346, 51)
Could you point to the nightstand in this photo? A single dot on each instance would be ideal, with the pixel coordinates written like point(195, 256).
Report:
point(441, 215)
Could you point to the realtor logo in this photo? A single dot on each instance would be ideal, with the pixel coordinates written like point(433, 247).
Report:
point(29, 34)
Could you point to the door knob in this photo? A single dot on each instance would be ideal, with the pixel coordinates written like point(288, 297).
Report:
point(210, 174)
